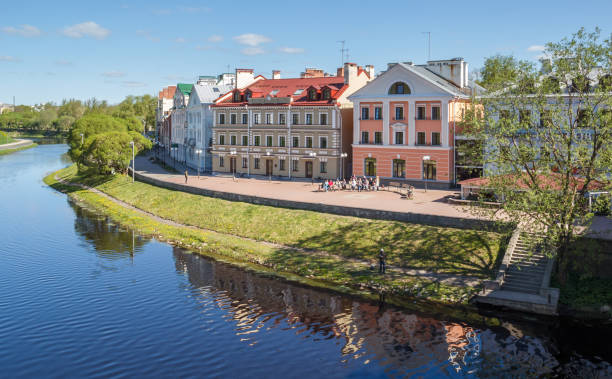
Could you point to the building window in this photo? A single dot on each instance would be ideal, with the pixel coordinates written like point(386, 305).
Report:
point(281, 118)
point(245, 140)
point(245, 162)
point(399, 88)
point(233, 118)
point(365, 137)
point(221, 162)
point(378, 138)
point(545, 119)
point(435, 113)
point(281, 141)
point(370, 166)
point(281, 165)
point(421, 138)
point(236, 97)
point(399, 113)
point(435, 138)
point(257, 141)
point(245, 118)
point(296, 141)
point(323, 167)
point(295, 165)
point(308, 118)
point(326, 94)
point(256, 163)
point(420, 112)
point(256, 118)
point(221, 118)
point(365, 113)
point(399, 138)
point(309, 142)
point(232, 140)
point(399, 168)
point(269, 141)
point(323, 142)
point(295, 118)
point(221, 139)
point(323, 119)
point(378, 113)
point(429, 170)
point(268, 118)
point(312, 94)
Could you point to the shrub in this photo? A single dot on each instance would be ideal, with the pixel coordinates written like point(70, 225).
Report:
point(602, 206)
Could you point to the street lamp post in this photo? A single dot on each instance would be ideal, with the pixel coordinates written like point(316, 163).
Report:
point(81, 139)
point(425, 159)
point(270, 178)
point(342, 156)
point(133, 161)
point(313, 156)
point(198, 151)
point(233, 154)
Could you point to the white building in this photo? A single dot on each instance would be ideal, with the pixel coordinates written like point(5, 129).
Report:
point(179, 121)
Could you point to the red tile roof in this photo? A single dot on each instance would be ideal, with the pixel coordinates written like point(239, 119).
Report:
point(551, 181)
point(287, 88)
point(167, 92)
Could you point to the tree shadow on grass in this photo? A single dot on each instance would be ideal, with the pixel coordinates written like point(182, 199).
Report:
point(440, 250)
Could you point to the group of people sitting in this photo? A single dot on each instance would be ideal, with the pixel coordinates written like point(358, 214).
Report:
point(355, 183)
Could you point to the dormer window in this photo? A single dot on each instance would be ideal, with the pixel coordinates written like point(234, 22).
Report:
point(247, 95)
point(312, 94)
point(399, 88)
point(237, 97)
point(326, 94)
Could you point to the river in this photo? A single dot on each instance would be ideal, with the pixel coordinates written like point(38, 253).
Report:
point(83, 297)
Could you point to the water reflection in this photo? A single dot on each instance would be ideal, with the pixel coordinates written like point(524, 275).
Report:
point(110, 240)
point(404, 343)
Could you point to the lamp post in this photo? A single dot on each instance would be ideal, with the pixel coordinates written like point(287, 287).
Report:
point(81, 139)
point(342, 156)
point(133, 161)
point(425, 159)
point(233, 154)
point(313, 156)
point(269, 178)
point(198, 151)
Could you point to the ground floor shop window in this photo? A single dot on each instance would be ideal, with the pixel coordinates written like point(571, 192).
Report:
point(244, 162)
point(399, 168)
point(323, 168)
point(221, 163)
point(429, 170)
point(281, 165)
point(370, 166)
point(294, 165)
point(256, 163)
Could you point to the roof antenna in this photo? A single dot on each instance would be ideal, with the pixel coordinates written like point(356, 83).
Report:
point(428, 44)
point(342, 51)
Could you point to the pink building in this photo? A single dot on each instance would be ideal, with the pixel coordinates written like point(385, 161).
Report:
point(405, 122)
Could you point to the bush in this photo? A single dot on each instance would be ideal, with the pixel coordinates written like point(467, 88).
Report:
point(602, 206)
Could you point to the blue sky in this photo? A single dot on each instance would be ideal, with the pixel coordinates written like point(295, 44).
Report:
point(51, 50)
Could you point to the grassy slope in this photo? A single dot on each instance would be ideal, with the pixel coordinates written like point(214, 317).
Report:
point(9, 151)
point(436, 249)
point(5, 138)
point(321, 271)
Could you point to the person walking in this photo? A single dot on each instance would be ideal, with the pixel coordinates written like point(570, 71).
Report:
point(382, 261)
point(186, 176)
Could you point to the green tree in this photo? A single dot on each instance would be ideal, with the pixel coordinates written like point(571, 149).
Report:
point(551, 143)
point(111, 152)
point(90, 125)
point(500, 71)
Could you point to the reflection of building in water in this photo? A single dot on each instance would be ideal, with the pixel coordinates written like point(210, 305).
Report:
point(406, 343)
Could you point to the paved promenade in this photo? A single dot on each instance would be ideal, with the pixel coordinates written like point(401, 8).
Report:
point(431, 202)
point(16, 145)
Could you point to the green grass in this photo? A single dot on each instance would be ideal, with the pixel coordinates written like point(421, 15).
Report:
point(5, 138)
point(10, 151)
point(330, 272)
point(436, 249)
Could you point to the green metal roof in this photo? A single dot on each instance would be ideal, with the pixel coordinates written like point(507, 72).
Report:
point(185, 88)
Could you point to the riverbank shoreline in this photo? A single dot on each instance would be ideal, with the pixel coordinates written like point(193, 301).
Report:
point(250, 255)
point(14, 147)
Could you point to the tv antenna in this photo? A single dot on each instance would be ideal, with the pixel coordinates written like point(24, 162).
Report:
point(342, 52)
point(428, 44)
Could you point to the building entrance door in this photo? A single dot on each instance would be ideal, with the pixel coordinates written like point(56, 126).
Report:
point(309, 169)
point(233, 165)
point(269, 164)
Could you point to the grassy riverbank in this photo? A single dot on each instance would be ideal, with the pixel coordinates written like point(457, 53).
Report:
point(314, 246)
point(5, 138)
point(10, 151)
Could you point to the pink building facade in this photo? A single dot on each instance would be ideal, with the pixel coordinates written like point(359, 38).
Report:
point(405, 122)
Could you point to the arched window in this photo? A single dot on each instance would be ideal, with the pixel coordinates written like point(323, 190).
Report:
point(399, 88)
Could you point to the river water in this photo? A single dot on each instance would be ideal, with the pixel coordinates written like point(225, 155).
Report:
point(83, 297)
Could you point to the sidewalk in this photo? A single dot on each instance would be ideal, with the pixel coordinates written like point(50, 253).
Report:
point(431, 203)
point(16, 144)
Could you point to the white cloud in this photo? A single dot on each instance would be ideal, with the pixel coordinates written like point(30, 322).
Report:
point(113, 74)
point(251, 39)
point(24, 30)
point(291, 50)
point(536, 48)
point(62, 62)
point(86, 29)
point(179, 40)
point(215, 38)
point(8, 58)
point(134, 84)
point(252, 51)
point(147, 35)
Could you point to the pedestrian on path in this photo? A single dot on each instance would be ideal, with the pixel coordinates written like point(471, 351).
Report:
point(382, 264)
point(186, 176)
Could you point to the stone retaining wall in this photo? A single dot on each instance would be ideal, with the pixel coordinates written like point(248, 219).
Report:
point(417, 218)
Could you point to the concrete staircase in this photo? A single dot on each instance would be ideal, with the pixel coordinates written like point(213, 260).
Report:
point(527, 266)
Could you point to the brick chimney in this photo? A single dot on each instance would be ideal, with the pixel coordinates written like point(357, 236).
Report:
point(244, 77)
point(350, 73)
point(276, 74)
point(370, 70)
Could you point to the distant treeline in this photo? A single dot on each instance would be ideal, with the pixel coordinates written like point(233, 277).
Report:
point(51, 118)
